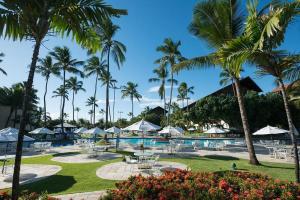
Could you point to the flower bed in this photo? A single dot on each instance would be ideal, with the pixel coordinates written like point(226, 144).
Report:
point(211, 186)
point(27, 196)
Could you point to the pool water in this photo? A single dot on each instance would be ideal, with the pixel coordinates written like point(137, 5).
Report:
point(151, 142)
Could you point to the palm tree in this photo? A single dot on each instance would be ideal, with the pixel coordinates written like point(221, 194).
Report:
point(106, 78)
point(130, 90)
point(94, 67)
point(107, 32)
point(102, 112)
point(181, 96)
point(91, 113)
point(171, 55)
point(46, 68)
point(161, 75)
point(2, 70)
point(218, 22)
point(63, 94)
point(184, 91)
point(226, 78)
point(66, 63)
point(75, 86)
point(77, 109)
point(33, 20)
point(114, 87)
point(91, 101)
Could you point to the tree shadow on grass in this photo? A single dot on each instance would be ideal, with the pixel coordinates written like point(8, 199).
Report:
point(218, 157)
point(66, 154)
point(53, 184)
point(276, 167)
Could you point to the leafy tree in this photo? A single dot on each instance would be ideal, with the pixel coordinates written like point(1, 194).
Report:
point(66, 63)
point(218, 22)
point(2, 70)
point(94, 67)
point(161, 76)
point(75, 86)
point(46, 69)
point(171, 55)
point(63, 94)
point(130, 90)
point(110, 47)
point(33, 20)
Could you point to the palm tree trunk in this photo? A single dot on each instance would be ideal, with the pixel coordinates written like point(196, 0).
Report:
point(114, 103)
point(291, 127)
point(9, 116)
point(28, 88)
point(187, 105)
point(171, 94)
point(73, 104)
point(233, 88)
point(107, 91)
point(63, 104)
point(15, 117)
point(248, 136)
point(95, 92)
point(131, 107)
point(45, 109)
point(164, 96)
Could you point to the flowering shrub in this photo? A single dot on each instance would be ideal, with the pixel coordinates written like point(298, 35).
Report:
point(185, 185)
point(27, 196)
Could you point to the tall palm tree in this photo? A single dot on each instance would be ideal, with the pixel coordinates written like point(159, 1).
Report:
point(161, 76)
point(184, 91)
point(114, 87)
point(110, 47)
point(171, 56)
point(63, 94)
point(91, 101)
point(94, 67)
point(76, 86)
point(218, 22)
point(106, 78)
point(181, 96)
point(91, 113)
point(77, 109)
point(46, 68)
point(226, 78)
point(130, 90)
point(66, 63)
point(33, 20)
point(2, 70)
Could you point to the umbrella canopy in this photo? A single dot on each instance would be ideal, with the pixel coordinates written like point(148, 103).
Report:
point(270, 130)
point(66, 125)
point(113, 130)
point(191, 129)
point(179, 129)
point(42, 131)
point(80, 130)
point(95, 131)
point(11, 135)
point(215, 130)
point(170, 130)
point(142, 126)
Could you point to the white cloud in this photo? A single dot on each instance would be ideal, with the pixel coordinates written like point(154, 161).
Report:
point(156, 88)
point(103, 101)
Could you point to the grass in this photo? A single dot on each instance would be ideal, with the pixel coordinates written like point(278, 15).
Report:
point(75, 178)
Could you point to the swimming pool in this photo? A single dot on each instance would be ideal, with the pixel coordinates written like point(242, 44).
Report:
point(151, 142)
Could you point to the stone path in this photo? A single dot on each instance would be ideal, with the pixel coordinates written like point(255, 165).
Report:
point(80, 196)
point(122, 170)
point(29, 173)
point(85, 158)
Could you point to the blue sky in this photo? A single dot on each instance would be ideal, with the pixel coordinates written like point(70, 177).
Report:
point(148, 23)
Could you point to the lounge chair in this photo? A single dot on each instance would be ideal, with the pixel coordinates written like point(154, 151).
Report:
point(131, 160)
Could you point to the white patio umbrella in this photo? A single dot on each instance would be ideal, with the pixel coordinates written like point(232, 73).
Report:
point(143, 126)
point(42, 131)
point(270, 130)
point(11, 135)
point(216, 130)
point(170, 130)
point(191, 129)
point(80, 130)
point(113, 130)
point(66, 125)
point(179, 129)
point(95, 131)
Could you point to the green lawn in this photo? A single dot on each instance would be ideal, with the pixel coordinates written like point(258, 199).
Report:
point(82, 177)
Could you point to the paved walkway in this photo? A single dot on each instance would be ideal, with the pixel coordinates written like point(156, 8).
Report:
point(122, 170)
point(82, 196)
point(29, 173)
point(85, 158)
